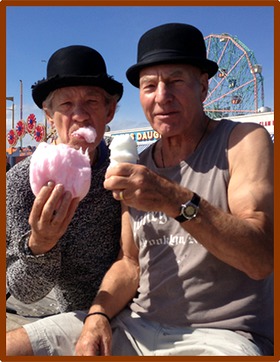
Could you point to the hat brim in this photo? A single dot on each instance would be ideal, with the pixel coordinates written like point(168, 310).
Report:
point(206, 65)
point(43, 88)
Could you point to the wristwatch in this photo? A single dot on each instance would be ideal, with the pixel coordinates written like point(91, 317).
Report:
point(189, 210)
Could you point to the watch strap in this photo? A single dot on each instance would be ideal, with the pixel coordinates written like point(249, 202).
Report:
point(195, 200)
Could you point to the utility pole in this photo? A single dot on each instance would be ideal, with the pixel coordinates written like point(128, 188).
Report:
point(20, 116)
point(21, 102)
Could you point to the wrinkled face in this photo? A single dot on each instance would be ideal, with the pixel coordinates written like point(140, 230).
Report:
point(70, 108)
point(172, 96)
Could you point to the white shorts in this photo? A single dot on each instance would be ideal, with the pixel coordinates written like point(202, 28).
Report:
point(133, 336)
point(56, 335)
point(145, 338)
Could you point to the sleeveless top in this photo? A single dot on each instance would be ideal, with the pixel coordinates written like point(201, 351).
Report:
point(181, 283)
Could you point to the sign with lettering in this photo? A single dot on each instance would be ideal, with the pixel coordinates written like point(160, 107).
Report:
point(142, 136)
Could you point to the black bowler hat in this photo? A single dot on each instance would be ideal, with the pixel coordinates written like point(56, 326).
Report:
point(73, 66)
point(172, 43)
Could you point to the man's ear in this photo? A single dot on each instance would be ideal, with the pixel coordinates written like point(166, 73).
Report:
point(204, 81)
point(111, 111)
point(49, 117)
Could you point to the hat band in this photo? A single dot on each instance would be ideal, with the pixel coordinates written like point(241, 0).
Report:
point(167, 54)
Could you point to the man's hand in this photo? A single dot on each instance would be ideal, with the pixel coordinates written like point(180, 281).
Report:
point(139, 187)
point(96, 338)
point(52, 211)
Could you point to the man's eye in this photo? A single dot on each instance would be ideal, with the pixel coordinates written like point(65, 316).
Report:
point(148, 86)
point(177, 80)
point(94, 101)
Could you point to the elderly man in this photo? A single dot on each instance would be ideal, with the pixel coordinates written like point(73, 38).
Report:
point(197, 225)
point(71, 251)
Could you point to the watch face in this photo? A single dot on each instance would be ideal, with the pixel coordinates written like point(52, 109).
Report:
point(190, 211)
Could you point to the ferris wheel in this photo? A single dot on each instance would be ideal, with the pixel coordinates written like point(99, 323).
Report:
point(237, 87)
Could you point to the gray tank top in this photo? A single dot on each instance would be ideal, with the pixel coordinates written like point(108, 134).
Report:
point(182, 284)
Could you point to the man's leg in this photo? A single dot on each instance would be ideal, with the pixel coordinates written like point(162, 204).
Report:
point(127, 327)
point(51, 336)
point(18, 343)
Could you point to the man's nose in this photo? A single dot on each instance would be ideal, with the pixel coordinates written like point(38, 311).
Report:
point(80, 113)
point(163, 93)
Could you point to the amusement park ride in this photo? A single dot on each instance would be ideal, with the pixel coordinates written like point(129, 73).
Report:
point(236, 90)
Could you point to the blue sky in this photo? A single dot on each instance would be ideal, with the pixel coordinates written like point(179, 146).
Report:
point(33, 33)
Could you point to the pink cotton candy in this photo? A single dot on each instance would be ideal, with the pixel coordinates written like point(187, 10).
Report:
point(62, 165)
point(88, 133)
